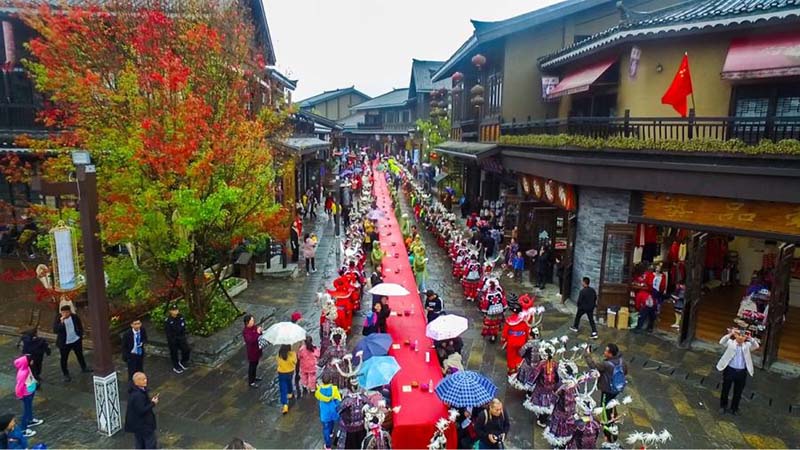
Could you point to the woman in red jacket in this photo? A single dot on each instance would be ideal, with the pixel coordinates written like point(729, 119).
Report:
point(250, 334)
point(515, 335)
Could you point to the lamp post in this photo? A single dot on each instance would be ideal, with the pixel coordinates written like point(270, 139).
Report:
point(106, 388)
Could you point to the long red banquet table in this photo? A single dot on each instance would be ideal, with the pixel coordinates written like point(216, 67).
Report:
point(419, 409)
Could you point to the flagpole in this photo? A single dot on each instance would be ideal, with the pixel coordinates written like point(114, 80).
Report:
point(686, 54)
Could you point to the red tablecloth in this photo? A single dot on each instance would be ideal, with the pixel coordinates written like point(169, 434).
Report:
point(414, 424)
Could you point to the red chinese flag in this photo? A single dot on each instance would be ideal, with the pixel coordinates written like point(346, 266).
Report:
point(680, 88)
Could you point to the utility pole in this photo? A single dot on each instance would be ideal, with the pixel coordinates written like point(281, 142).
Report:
point(106, 388)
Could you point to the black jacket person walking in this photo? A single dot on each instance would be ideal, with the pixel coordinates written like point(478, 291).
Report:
point(175, 330)
point(587, 301)
point(140, 418)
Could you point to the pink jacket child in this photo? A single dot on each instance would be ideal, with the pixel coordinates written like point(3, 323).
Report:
point(25, 388)
point(308, 356)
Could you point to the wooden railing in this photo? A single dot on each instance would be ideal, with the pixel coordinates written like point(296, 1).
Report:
point(748, 129)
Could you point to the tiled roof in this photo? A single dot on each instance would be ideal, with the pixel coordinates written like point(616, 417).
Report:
point(328, 95)
point(488, 31)
point(690, 15)
point(305, 145)
point(352, 121)
point(421, 73)
point(395, 98)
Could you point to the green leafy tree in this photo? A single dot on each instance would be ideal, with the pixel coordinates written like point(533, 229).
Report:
point(167, 99)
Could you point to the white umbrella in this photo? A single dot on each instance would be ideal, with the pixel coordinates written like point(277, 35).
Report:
point(446, 327)
point(282, 333)
point(389, 290)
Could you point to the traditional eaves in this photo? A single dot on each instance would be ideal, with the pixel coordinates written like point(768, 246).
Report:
point(421, 73)
point(329, 95)
point(689, 16)
point(489, 31)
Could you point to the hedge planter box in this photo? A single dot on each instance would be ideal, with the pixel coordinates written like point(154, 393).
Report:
point(217, 348)
point(239, 286)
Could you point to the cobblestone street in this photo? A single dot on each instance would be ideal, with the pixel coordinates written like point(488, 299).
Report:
point(672, 388)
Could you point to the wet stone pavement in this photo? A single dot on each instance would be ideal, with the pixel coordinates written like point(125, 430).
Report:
point(206, 407)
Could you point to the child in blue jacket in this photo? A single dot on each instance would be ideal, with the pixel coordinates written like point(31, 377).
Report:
point(329, 399)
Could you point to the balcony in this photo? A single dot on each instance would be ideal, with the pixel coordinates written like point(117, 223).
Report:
point(19, 117)
point(749, 130)
point(386, 127)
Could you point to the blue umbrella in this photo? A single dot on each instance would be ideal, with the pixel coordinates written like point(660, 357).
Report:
point(376, 344)
point(377, 371)
point(466, 389)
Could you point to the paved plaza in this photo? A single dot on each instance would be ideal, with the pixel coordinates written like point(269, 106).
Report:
point(205, 407)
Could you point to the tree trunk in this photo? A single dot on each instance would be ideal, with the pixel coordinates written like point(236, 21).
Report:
point(193, 291)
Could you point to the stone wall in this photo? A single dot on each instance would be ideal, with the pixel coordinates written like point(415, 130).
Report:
point(596, 208)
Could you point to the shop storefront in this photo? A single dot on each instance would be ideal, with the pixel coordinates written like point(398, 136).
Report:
point(713, 264)
point(544, 217)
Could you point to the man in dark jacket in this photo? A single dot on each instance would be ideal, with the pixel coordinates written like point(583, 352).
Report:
point(133, 341)
point(587, 301)
point(433, 305)
point(37, 347)
point(492, 425)
point(612, 358)
point(69, 338)
point(175, 330)
point(140, 418)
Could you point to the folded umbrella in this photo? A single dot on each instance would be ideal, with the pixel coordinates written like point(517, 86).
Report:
point(282, 333)
point(446, 327)
point(377, 371)
point(376, 344)
point(466, 389)
point(389, 290)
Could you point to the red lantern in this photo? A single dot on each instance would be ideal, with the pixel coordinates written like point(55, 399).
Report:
point(478, 60)
point(457, 77)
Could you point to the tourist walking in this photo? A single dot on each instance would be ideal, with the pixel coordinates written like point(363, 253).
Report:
point(69, 338)
point(139, 417)
point(133, 341)
point(36, 347)
point(587, 301)
point(329, 399)
point(735, 364)
point(25, 389)
point(492, 425)
point(307, 356)
point(287, 362)
point(250, 334)
point(310, 252)
point(294, 237)
point(175, 330)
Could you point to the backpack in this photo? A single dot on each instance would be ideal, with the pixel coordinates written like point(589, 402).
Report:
point(617, 382)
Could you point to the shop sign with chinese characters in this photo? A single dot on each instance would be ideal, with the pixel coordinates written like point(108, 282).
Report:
point(550, 191)
point(770, 217)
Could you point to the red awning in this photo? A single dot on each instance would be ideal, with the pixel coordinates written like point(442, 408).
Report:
point(581, 80)
point(773, 55)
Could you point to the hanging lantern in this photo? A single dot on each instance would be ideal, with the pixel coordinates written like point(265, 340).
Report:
point(457, 77)
point(477, 90)
point(65, 259)
point(457, 89)
point(443, 92)
point(478, 61)
point(477, 101)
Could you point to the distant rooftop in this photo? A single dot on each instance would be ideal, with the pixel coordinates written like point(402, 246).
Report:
point(421, 73)
point(395, 98)
point(328, 95)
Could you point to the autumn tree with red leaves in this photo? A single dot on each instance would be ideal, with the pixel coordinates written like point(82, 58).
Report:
point(167, 99)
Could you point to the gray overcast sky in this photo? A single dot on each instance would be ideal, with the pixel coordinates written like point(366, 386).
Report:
point(329, 44)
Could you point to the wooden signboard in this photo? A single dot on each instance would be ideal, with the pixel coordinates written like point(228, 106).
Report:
point(770, 217)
